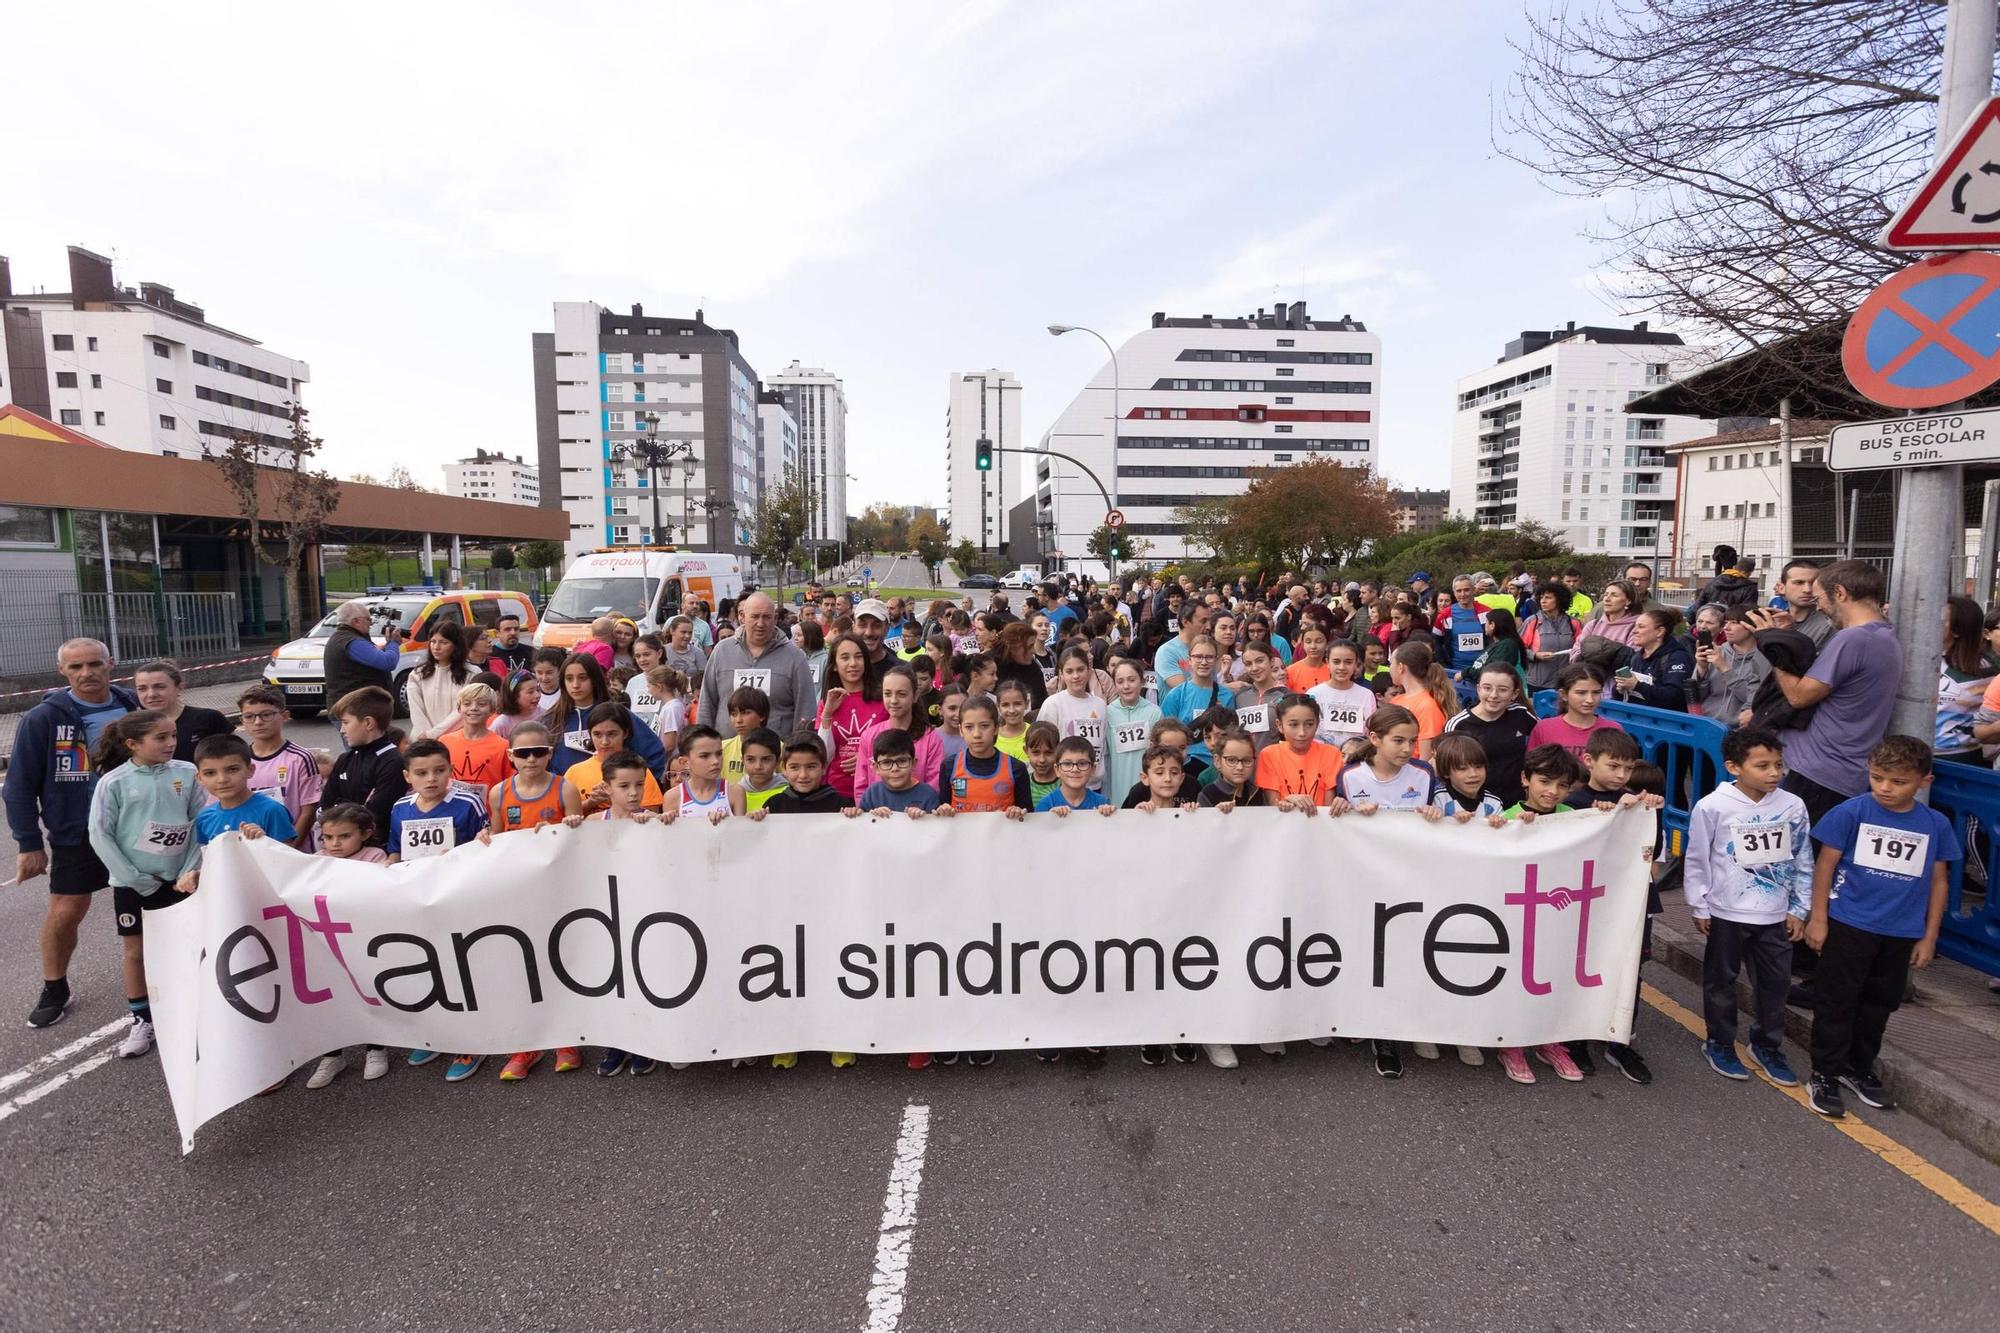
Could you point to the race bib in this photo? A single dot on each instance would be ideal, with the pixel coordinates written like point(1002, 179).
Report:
point(965, 643)
point(1762, 844)
point(755, 678)
point(1471, 642)
point(1152, 683)
point(1173, 624)
point(166, 837)
point(578, 741)
point(471, 790)
point(1131, 737)
point(1891, 850)
point(1091, 729)
point(427, 837)
point(1255, 718)
point(637, 696)
point(1341, 717)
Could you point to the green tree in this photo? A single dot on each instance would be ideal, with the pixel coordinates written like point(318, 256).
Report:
point(779, 527)
point(1131, 548)
point(365, 556)
point(541, 556)
point(282, 497)
point(965, 555)
point(928, 540)
point(1313, 514)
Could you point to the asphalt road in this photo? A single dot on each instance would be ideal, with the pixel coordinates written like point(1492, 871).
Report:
point(1306, 1193)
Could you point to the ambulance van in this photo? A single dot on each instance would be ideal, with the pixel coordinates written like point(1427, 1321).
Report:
point(647, 585)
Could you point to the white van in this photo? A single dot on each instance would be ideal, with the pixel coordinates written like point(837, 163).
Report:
point(646, 584)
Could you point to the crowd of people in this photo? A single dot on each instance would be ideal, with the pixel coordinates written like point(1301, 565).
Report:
point(1310, 698)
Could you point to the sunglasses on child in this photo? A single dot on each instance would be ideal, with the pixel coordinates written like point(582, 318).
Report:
point(532, 751)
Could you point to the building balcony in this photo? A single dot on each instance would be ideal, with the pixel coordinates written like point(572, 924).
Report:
point(1642, 488)
point(1498, 424)
point(1649, 458)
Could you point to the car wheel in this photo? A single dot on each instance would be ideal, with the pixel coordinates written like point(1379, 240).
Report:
point(403, 695)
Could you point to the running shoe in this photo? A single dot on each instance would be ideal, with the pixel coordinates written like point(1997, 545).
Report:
point(1579, 1052)
point(1471, 1055)
point(1869, 1089)
point(1274, 1049)
point(1220, 1055)
point(1823, 1095)
point(1152, 1055)
point(785, 1060)
point(920, 1060)
point(1184, 1053)
point(642, 1065)
point(138, 1039)
point(375, 1065)
point(422, 1057)
point(568, 1058)
point(842, 1059)
point(979, 1059)
point(1555, 1057)
point(326, 1071)
point(1628, 1062)
point(1388, 1060)
point(1426, 1050)
point(613, 1061)
point(463, 1068)
point(1722, 1059)
point(52, 1006)
point(1515, 1061)
point(520, 1064)
point(1779, 1070)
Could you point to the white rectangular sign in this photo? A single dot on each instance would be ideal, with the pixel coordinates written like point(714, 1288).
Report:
point(1933, 438)
point(697, 942)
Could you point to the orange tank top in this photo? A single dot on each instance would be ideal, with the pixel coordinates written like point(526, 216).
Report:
point(970, 792)
point(517, 812)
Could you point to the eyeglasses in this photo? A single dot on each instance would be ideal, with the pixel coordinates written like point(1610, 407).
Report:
point(532, 751)
point(895, 761)
point(1076, 763)
point(264, 716)
point(1232, 759)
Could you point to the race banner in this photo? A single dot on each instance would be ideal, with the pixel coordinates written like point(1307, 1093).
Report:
point(693, 941)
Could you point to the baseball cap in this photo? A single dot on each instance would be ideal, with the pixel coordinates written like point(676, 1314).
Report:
point(1421, 576)
point(1524, 580)
point(875, 607)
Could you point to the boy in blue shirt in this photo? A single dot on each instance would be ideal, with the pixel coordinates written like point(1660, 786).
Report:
point(432, 819)
point(1076, 760)
point(897, 789)
point(1878, 897)
point(222, 766)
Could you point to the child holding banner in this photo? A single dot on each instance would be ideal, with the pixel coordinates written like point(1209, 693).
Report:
point(1257, 693)
point(1128, 720)
point(1547, 774)
point(982, 778)
point(429, 822)
point(704, 794)
point(626, 778)
point(1302, 772)
point(533, 796)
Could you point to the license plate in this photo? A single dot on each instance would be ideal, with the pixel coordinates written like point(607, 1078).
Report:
point(305, 689)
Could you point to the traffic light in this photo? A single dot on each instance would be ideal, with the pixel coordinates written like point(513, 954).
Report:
point(983, 459)
point(1117, 547)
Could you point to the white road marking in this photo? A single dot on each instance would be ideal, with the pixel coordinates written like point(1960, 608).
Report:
point(899, 1223)
point(41, 1090)
point(42, 1064)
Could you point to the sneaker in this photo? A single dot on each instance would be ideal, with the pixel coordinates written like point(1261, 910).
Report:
point(1555, 1057)
point(1152, 1055)
point(1579, 1054)
point(675, 1065)
point(519, 1065)
point(1471, 1055)
point(52, 1006)
point(744, 1062)
point(1184, 1054)
point(1722, 1059)
point(613, 1061)
point(1320, 1041)
point(842, 1059)
point(1426, 1050)
point(1628, 1062)
point(1274, 1049)
point(947, 1057)
point(642, 1065)
point(1388, 1060)
point(920, 1060)
point(421, 1057)
point(1515, 1061)
point(375, 1065)
point(1823, 1095)
point(568, 1058)
point(785, 1060)
point(1778, 1071)
point(326, 1071)
point(1219, 1055)
point(138, 1039)
point(1049, 1057)
point(1870, 1090)
point(979, 1059)
point(463, 1068)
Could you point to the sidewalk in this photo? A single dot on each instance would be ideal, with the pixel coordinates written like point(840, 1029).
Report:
point(1942, 1055)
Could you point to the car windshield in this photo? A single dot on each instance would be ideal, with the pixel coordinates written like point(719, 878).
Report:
point(407, 609)
point(583, 598)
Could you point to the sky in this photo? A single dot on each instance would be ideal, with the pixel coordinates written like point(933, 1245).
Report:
point(893, 191)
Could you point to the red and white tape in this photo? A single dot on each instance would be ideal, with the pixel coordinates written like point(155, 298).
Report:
point(126, 680)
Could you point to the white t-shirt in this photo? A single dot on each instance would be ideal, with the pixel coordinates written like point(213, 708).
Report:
point(1412, 785)
point(1343, 714)
point(1086, 717)
point(666, 716)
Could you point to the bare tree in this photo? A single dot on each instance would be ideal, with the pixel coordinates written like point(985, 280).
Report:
point(1751, 150)
point(286, 500)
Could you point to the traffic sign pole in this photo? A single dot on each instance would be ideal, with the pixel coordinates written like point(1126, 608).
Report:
point(1927, 500)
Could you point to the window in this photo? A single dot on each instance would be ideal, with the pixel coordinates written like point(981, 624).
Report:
point(1284, 370)
point(1565, 517)
point(1285, 342)
point(163, 386)
point(1177, 414)
point(1283, 428)
point(99, 417)
point(71, 417)
point(166, 422)
point(1281, 458)
point(62, 342)
point(1711, 462)
point(65, 379)
point(1708, 511)
point(1249, 412)
point(1150, 413)
point(1283, 399)
point(1729, 462)
point(1743, 460)
point(29, 525)
point(97, 381)
point(160, 350)
point(90, 343)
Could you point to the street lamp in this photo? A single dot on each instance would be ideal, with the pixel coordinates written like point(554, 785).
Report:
point(654, 456)
point(1057, 331)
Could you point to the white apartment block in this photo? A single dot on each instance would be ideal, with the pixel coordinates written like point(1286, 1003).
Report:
point(142, 370)
point(818, 405)
point(1542, 436)
point(777, 441)
point(1202, 405)
point(488, 476)
point(984, 404)
point(610, 388)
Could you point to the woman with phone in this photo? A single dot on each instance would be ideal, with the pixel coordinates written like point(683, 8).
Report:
point(1727, 666)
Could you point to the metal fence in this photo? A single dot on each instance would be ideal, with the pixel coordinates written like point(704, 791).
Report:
point(145, 624)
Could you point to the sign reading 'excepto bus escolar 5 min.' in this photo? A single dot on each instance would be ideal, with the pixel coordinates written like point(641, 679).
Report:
point(1936, 439)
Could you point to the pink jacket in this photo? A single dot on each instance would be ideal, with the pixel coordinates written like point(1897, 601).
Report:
point(600, 650)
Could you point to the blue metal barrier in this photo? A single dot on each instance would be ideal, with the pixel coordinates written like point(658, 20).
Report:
point(1970, 798)
point(1689, 748)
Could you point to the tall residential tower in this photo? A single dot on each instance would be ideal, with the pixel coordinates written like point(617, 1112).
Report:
point(819, 406)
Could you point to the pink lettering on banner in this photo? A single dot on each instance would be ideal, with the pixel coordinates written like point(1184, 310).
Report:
point(1532, 897)
point(328, 929)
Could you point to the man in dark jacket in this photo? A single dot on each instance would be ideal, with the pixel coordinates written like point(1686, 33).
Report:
point(47, 794)
point(1731, 586)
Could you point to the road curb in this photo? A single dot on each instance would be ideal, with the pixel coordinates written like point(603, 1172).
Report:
point(1933, 1096)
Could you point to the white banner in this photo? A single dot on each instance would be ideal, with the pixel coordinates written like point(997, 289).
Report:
point(696, 942)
